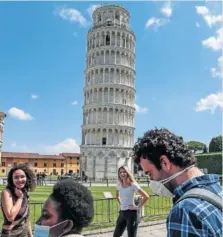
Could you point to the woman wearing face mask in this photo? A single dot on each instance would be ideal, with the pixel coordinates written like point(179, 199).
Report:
point(14, 202)
point(67, 210)
point(128, 215)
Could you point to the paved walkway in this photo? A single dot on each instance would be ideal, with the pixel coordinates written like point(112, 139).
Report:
point(152, 230)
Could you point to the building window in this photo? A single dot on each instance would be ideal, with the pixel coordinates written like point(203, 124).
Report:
point(104, 141)
point(62, 165)
point(3, 170)
point(45, 164)
point(35, 171)
point(77, 158)
point(117, 16)
point(3, 163)
point(45, 170)
point(35, 164)
point(107, 40)
point(15, 163)
point(77, 163)
point(54, 165)
point(70, 158)
point(54, 172)
point(109, 23)
point(99, 18)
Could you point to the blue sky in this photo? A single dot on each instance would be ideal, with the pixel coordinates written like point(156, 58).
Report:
point(179, 71)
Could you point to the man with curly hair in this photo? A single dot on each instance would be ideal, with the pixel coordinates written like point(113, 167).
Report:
point(68, 209)
point(171, 166)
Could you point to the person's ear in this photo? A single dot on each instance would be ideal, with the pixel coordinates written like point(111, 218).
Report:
point(68, 227)
point(165, 163)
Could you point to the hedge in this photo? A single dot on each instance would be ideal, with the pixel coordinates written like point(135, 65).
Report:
point(211, 161)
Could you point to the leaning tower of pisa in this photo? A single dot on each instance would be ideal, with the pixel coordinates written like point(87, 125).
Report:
point(109, 94)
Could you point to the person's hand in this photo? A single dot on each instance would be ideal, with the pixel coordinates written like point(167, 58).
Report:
point(132, 207)
point(18, 193)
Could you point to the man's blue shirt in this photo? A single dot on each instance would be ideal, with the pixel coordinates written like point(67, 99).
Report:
point(195, 217)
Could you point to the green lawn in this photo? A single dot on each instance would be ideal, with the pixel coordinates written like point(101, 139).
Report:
point(106, 211)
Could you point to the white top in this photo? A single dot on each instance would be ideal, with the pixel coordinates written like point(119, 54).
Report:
point(126, 195)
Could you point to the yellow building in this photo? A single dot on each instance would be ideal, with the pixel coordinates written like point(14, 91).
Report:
point(50, 164)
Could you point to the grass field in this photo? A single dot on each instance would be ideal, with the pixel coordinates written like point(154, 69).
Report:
point(106, 211)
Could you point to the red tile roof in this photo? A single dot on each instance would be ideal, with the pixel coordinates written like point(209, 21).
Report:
point(21, 155)
point(66, 155)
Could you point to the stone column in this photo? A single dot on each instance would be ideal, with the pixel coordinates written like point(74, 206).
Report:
point(2, 116)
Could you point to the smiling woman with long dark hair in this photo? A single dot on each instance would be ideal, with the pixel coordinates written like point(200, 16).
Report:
point(15, 202)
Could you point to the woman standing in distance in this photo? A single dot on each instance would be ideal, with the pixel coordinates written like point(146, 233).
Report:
point(15, 202)
point(128, 215)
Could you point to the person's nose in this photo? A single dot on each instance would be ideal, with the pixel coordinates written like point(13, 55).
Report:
point(38, 222)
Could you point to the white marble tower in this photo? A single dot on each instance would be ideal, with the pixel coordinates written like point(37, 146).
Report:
point(109, 94)
point(2, 116)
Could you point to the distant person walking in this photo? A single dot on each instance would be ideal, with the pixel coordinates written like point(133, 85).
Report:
point(15, 202)
point(44, 178)
point(128, 215)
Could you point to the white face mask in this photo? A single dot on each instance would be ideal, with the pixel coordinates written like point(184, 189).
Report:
point(160, 189)
point(44, 231)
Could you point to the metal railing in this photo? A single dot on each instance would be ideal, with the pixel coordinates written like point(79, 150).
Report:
point(106, 211)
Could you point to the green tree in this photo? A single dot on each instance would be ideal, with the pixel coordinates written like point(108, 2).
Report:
point(196, 146)
point(205, 150)
point(215, 144)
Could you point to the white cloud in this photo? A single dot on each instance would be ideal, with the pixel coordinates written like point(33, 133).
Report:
point(34, 97)
point(218, 71)
point(19, 114)
point(92, 8)
point(155, 22)
point(140, 109)
point(215, 43)
point(71, 14)
point(68, 145)
point(75, 102)
point(210, 19)
point(202, 10)
point(21, 148)
point(167, 9)
point(211, 102)
point(197, 25)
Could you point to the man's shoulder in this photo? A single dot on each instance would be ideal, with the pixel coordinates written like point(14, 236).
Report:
point(195, 206)
point(186, 205)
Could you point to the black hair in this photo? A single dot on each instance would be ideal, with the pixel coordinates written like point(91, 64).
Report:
point(30, 178)
point(75, 202)
point(158, 142)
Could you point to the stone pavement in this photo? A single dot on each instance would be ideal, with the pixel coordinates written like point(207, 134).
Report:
point(150, 229)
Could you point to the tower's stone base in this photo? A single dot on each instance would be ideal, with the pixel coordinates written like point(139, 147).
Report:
point(103, 162)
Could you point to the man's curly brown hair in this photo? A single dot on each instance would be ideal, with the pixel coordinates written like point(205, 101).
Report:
point(158, 142)
point(75, 202)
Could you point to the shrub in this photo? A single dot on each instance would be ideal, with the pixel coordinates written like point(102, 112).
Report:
point(211, 161)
